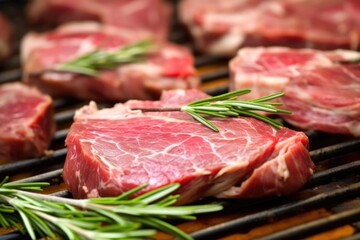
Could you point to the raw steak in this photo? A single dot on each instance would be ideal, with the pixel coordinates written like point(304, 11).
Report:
point(5, 37)
point(170, 67)
point(27, 122)
point(113, 150)
point(322, 88)
point(149, 15)
point(221, 27)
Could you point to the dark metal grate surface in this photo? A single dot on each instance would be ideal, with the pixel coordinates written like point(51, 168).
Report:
point(334, 188)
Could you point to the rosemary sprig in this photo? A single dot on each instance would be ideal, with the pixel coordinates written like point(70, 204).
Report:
point(228, 105)
point(90, 63)
point(119, 217)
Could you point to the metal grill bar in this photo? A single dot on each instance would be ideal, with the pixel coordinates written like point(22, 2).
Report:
point(202, 61)
point(335, 172)
point(264, 210)
point(57, 157)
point(335, 150)
point(60, 135)
point(14, 236)
point(10, 76)
point(321, 225)
point(45, 177)
point(224, 73)
point(64, 117)
point(217, 91)
point(280, 212)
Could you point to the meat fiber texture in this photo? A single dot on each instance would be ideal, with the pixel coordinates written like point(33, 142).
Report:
point(169, 67)
point(222, 27)
point(113, 150)
point(322, 88)
point(150, 15)
point(5, 37)
point(27, 122)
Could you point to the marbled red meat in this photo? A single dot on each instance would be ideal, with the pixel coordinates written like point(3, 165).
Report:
point(113, 150)
point(322, 88)
point(149, 15)
point(221, 27)
point(169, 67)
point(27, 122)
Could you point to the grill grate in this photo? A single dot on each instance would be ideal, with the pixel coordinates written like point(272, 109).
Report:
point(333, 191)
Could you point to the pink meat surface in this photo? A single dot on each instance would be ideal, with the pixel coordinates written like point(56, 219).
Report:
point(221, 27)
point(149, 15)
point(322, 88)
point(27, 122)
point(113, 150)
point(169, 67)
point(5, 37)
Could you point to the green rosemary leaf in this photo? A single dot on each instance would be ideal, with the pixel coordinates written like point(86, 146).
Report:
point(221, 97)
point(252, 106)
point(169, 200)
point(213, 114)
point(110, 215)
point(90, 63)
point(26, 186)
point(6, 209)
point(4, 221)
point(138, 234)
point(54, 217)
point(202, 120)
point(270, 121)
point(164, 227)
point(283, 111)
point(157, 194)
point(27, 224)
point(268, 97)
point(230, 113)
point(228, 105)
point(4, 181)
point(210, 108)
point(176, 210)
point(68, 233)
point(121, 199)
point(68, 67)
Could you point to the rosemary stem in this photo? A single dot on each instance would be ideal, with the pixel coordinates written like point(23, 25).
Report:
point(74, 202)
point(160, 109)
point(6, 199)
point(121, 217)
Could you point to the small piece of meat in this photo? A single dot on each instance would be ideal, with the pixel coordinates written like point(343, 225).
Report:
point(222, 27)
point(27, 122)
point(113, 150)
point(322, 88)
point(169, 67)
point(5, 37)
point(150, 15)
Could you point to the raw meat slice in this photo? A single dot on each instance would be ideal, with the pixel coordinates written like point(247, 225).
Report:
point(149, 15)
point(322, 88)
point(27, 122)
point(113, 150)
point(5, 37)
point(170, 67)
point(221, 27)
